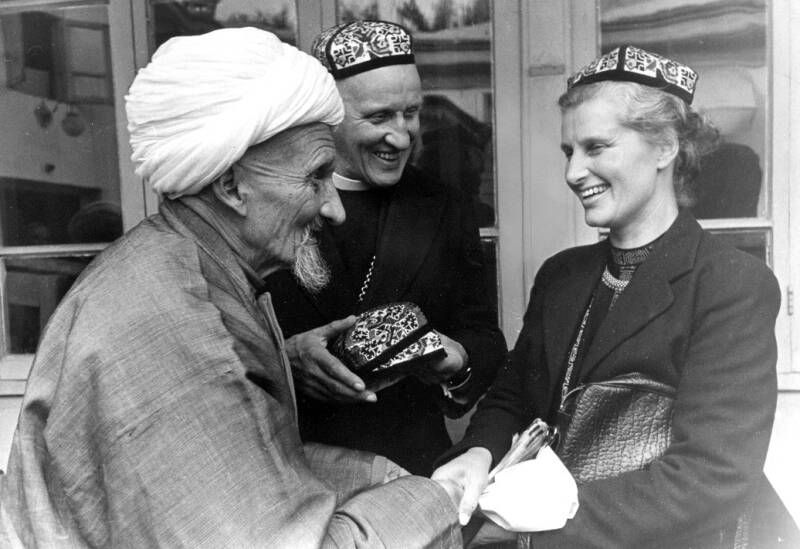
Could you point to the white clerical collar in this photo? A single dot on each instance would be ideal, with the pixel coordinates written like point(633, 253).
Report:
point(343, 183)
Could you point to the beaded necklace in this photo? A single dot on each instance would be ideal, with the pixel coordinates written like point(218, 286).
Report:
point(617, 274)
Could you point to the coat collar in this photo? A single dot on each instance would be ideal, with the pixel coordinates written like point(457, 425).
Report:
point(186, 217)
point(412, 218)
point(646, 297)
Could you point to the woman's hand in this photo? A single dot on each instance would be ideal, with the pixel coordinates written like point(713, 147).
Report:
point(470, 471)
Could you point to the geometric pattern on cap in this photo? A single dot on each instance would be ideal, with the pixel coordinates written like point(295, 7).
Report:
point(629, 63)
point(359, 46)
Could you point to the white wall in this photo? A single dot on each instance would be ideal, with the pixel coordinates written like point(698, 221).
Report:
point(9, 410)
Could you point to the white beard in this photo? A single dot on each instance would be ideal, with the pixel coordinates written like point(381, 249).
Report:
point(310, 270)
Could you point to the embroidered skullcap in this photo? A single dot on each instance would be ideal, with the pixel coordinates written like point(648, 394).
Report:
point(360, 46)
point(632, 64)
point(203, 100)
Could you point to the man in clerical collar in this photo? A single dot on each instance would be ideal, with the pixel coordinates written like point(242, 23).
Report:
point(406, 237)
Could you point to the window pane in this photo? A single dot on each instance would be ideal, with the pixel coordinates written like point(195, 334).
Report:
point(754, 242)
point(34, 287)
point(726, 43)
point(189, 17)
point(59, 174)
point(453, 49)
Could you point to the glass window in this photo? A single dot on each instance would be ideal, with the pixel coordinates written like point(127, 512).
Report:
point(60, 199)
point(34, 287)
point(754, 242)
point(726, 42)
point(453, 49)
point(188, 17)
point(61, 184)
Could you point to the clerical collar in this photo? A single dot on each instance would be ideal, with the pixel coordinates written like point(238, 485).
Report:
point(343, 183)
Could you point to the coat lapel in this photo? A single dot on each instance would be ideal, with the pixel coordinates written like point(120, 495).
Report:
point(565, 303)
point(649, 293)
point(412, 221)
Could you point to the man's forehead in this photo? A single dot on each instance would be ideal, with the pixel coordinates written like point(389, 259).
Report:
point(298, 143)
point(382, 86)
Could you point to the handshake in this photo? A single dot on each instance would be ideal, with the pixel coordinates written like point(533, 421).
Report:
point(528, 490)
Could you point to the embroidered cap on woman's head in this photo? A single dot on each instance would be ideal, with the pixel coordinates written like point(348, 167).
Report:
point(360, 46)
point(632, 64)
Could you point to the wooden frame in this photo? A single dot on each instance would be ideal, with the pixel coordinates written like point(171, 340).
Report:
point(782, 122)
point(119, 37)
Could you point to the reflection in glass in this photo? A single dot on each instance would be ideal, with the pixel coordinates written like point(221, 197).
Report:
point(453, 50)
point(755, 242)
point(59, 178)
point(726, 42)
point(189, 17)
point(34, 287)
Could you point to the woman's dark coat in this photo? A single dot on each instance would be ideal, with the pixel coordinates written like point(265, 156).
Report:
point(698, 315)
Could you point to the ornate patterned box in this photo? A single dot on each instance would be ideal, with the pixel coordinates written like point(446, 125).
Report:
point(388, 341)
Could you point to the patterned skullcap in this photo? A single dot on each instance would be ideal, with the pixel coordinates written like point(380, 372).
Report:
point(360, 46)
point(632, 64)
point(203, 100)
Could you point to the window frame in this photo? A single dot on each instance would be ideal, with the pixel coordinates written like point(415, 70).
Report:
point(781, 131)
point(14, 368)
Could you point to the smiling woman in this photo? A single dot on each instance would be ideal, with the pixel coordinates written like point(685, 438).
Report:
point(659, 303)
point(624, 178)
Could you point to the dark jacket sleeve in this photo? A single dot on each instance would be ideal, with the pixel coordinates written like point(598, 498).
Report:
point(472, 315)
point(721, 425)
point(508, 406)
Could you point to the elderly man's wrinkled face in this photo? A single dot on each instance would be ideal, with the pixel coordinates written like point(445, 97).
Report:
point(380, 124)
point(286, 182)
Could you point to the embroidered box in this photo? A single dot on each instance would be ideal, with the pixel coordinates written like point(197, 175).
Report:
point(387, 341)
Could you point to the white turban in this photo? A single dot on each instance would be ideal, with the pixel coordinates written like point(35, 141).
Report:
point(203, 100)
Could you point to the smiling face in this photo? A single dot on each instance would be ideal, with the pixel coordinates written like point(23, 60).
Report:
point(623, 181)
point(286, 185)
point(381, 122)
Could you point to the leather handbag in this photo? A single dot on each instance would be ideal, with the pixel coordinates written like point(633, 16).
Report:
point(611, 427)
point(388, 341)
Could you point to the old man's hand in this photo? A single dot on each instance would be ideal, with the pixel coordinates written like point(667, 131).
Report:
point(320, 375)
point(469, 471)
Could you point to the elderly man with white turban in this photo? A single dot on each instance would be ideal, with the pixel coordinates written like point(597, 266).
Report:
point(160, 409)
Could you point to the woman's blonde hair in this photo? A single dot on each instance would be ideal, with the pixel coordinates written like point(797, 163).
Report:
point(660, 117)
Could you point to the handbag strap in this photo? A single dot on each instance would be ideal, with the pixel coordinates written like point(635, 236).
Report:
point(573, 354)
